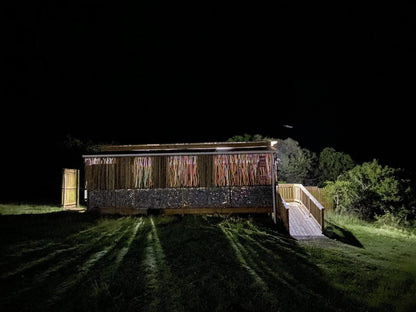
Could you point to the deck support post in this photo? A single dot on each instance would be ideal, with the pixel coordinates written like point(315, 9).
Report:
point(273, 187)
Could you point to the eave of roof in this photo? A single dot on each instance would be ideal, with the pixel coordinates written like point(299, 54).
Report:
point(183, 147)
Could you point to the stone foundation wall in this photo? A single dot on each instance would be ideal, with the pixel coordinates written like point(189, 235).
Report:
point(165, 198)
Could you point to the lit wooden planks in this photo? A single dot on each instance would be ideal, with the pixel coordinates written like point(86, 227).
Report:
point(301, 223)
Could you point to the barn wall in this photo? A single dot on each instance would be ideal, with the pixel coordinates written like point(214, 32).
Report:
point(147, 172)
point(197, 197)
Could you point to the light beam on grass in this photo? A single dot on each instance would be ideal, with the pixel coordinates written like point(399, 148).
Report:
point(256, 264)
point(84, 269)
point(282, 275)
point(42, 276)
point(240, 251)
point(57, 252)
point(155, 254)
point(121, 254)
point(155, 263)
point(36, 262)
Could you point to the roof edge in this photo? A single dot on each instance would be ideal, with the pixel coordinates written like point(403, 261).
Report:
point(189, 146)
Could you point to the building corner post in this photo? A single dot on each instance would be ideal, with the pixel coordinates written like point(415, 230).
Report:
point(272, 164)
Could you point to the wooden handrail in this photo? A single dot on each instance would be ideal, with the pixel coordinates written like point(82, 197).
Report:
point(298, 193)
point(286, 190)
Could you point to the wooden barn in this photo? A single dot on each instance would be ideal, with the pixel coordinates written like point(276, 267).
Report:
point(225, 177)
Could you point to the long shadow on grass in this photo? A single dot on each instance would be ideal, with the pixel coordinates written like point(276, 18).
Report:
point(65, 282)
point(235, 264)
point(16, 228)
point(163, 263)
point(338, 233)
point(121, 281)
point(32, 245)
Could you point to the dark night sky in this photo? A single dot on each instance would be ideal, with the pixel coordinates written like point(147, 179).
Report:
point(343, 76)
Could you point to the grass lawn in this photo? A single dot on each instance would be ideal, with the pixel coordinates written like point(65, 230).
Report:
point(27, 209)
point(375, 265)
point(70, 261)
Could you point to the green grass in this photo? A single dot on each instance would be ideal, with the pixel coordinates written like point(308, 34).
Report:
point(70, 261)
point(14, 209)
point(380, 272)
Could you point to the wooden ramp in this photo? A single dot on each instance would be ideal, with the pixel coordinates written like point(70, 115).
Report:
point(302, 224)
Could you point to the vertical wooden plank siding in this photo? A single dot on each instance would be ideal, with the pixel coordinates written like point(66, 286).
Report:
point(159, 165)
point(205, 170)
point(182, 171)
point(63, 200)
point(242, 169)
point(77, 185)
point(142, 172)
point(132, 172)
point(70, 188)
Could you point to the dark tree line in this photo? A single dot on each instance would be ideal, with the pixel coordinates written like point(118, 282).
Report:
point(368, 190)
point(299, 165)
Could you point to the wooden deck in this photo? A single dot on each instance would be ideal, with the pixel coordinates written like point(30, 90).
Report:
point(302, 224)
